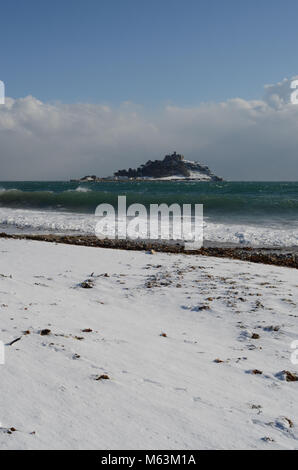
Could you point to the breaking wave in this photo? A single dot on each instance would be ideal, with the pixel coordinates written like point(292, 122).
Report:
point(36, 221)
point(219, 199)
point(251, 214)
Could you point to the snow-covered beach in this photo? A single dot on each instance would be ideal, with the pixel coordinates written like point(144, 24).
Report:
point(154, 351)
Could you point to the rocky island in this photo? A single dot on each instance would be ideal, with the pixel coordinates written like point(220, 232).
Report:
point(172, 167)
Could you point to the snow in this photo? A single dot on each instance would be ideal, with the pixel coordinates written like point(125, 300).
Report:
point(193, 175)
point(164, 391)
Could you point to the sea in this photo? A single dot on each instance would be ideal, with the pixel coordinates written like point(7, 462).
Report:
point(256, 214)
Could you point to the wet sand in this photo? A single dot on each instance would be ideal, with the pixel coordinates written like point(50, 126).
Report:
point(274, 256)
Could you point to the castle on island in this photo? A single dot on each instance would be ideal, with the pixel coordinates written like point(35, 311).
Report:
point(172, 167)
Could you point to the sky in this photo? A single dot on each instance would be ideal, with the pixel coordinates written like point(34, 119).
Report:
point(96, 85)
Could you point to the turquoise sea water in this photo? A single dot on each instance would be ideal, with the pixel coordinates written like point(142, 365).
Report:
point(247, 212)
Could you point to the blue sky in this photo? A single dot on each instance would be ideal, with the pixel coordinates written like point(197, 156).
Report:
point(97, 85)
point(148, 52)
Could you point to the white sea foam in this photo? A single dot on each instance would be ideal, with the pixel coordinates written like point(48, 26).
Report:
point(251, 235)
point(31, 220)
point(61, 222)
point(82, 189)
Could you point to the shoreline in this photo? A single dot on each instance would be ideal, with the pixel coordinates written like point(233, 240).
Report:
point(287, 257)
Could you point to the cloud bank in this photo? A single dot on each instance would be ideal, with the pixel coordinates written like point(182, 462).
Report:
point(237, 139)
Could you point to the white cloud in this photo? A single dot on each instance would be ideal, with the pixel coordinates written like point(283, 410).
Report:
point(238, 139)
point(278, 94)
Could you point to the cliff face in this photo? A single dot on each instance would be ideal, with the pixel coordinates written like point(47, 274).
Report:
point(171, 167)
